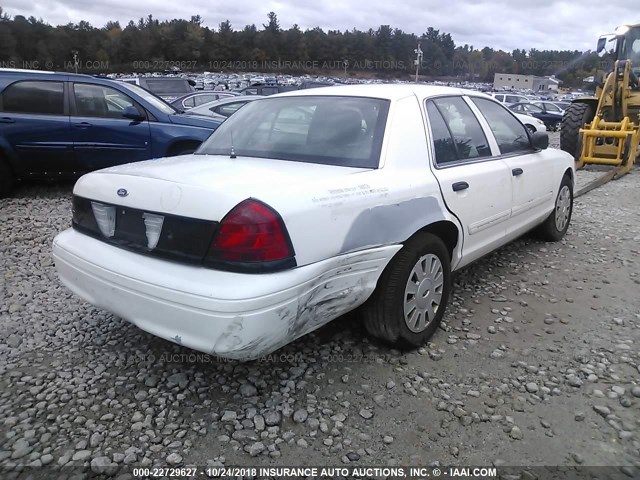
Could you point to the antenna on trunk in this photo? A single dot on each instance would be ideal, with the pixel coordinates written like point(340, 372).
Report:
point(233, 152)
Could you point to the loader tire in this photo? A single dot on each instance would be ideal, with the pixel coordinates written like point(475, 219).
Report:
point(574, 118)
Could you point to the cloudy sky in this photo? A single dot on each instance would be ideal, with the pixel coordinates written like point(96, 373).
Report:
point(505, 24)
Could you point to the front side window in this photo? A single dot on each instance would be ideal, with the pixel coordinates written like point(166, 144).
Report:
point(468, 138)
point(35, 97)
point(344, 131)
point(550, 107)
point(531, 108)
point(510, 134)
point(100, 101)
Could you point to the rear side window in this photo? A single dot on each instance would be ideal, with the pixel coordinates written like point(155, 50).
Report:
point(443, 145)
point(163, 85)
point(468, 138)
point(202, 99)
point(34, 97)
point(510, 134)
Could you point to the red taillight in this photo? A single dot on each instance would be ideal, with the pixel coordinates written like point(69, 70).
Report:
point(251, 232)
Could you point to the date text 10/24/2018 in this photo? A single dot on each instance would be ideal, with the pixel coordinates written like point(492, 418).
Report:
point(316, 472)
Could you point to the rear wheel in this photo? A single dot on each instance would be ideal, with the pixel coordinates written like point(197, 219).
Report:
point(6, 178)
point(412, 293)
point(557, 223)
point(574, 118)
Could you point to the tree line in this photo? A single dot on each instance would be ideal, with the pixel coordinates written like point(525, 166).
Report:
point(385, 52)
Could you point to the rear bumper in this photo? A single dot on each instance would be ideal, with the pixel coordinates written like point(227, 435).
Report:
point(231, 315)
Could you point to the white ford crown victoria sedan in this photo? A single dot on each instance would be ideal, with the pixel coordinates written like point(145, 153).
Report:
point(306, 205)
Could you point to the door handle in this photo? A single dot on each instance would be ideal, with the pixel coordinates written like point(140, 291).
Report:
point(7, 120)
point(517, 171)
point(82, 125)
point(458, 186)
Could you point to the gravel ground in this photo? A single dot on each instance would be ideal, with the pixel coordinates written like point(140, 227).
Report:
point(537, 363)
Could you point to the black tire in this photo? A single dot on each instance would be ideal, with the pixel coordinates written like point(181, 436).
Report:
point(6, 179)
point(531, 128)
point(549, 230)
point(383, 313)
point(574, 118)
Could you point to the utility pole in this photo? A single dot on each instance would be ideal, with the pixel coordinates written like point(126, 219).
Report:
point(345, 64)
point(418, 60)
point(76, 60)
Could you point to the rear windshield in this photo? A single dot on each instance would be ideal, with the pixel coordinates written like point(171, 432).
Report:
point(167, 85)
point(344, 131)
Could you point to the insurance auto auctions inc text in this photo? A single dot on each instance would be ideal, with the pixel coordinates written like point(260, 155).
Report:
point(363, 472)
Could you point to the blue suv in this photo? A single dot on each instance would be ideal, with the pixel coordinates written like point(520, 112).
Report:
point(64, 125)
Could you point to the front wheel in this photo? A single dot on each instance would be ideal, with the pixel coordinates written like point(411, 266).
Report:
point(6, 179)
point(557, 223)
point(412, 293)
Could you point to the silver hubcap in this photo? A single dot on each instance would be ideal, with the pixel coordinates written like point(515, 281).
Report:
point(423, 293)
point(563, 208)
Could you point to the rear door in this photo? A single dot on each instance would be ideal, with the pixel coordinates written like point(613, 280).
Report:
point(35, 122)
point(102, 136)
point(475, 185)
point(531, 172)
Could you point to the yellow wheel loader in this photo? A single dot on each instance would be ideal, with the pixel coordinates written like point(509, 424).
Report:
point(603, 130)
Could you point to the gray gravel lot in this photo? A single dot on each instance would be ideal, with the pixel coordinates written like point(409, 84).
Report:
point(537, 363)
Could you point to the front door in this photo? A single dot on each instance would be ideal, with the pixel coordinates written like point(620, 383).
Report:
point(475, 185)
point(529, 170)
point(102, 136)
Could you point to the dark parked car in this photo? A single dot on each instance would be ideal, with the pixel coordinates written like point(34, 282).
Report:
point(167, 88)
point(551, 120)
point(63, 125)
point(194, 99)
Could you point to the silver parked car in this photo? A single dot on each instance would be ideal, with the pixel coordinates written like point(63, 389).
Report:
point(223, 108)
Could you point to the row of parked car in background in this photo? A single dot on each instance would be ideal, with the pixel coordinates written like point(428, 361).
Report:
point(63, 125)
point(268, 179)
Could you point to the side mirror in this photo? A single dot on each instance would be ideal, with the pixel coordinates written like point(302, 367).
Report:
point(132, 113)
point(540, 140)
point(602, 43)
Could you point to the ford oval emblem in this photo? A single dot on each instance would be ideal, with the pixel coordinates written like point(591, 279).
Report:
point(122, 192)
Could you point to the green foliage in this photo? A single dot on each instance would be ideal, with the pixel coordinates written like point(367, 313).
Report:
point(149, 44)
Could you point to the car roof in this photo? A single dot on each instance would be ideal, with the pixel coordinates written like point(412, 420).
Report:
point(18, 72)
point(383, 91)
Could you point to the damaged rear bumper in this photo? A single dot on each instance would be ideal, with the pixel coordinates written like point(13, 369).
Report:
point(231, 315)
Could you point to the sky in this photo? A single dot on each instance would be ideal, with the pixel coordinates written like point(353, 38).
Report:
point(500, 24)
